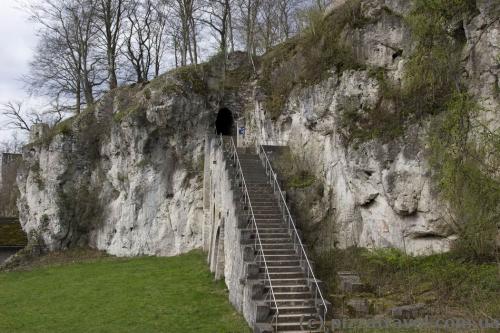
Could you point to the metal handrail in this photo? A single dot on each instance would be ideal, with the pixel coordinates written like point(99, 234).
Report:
point(291, 224)
point(254, 222)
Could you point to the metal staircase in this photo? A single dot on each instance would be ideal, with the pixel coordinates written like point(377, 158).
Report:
point(292, 292)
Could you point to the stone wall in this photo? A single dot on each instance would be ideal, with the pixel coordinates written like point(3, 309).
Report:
point(230, 256)
point(9, 165)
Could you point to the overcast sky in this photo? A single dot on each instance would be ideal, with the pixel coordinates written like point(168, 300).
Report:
point(17, 41)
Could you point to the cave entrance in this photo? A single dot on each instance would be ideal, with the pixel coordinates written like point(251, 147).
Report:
point(225, 123)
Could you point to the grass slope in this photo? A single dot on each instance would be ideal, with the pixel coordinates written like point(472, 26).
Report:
point(146, 295)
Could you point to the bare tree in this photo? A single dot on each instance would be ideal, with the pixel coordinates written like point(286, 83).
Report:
point(247, 11)
point(175, 35)
point(138, 37)
point(162, 14)
point(17, 117)
point(55, 113)
point(13, 145)
point(261, 24)
point(287, 9)
point(185, 11)
point(110, 16)
point(84, 43)
point(216, 15)
point(269, 25)
point(65, 62)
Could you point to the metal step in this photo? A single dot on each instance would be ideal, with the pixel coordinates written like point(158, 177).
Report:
point(273, 241)
point(280, 248)
point(292, 288)
point(292, 302)
point(271, 230)
point(257, 204)
point(272, 252)
point(281, 275)
point(292, 327)
point(282, 269)
point(296, 317)
point(295, 309)
point(266, 216)
point(292, 295)
point(282, 263)
point(286, 281)
point(268, 235)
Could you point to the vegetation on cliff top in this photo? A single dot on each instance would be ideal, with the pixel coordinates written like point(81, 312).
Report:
point(110, 294)
point(308, 58)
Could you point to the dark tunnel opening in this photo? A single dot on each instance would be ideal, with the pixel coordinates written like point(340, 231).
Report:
point(225, 122)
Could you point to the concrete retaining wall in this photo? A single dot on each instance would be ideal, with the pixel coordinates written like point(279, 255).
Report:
point(230, 253)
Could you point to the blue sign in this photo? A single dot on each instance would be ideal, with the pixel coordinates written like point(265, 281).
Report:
point(241, 130)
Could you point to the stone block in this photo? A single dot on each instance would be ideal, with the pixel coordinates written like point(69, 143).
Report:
point(257, 290)
point(321, 285)
point(350, 282)
point(410, 311)
point(38, 131)
point(358, 307)
point(243, 221)
point(248, 253)
point(263, 311)
point(263, 328)
point(252, 270)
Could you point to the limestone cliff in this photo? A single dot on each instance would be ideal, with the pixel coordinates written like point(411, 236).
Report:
point(126, 176)
point(377, 190)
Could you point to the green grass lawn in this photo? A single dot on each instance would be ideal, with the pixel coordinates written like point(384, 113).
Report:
point(147, 294)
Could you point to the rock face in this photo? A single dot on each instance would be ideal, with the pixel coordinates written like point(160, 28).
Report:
point(133, 187)
point(381, 194)
point(140, 190)
point(378, 194)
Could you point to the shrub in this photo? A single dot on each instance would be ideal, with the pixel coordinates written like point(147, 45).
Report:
point(432, 73)
point(193, 76)
point(464, 163)
point(433, 69)
point(392, 278)
point(385, 121)
point(147, 93)
point(37, 176)
point(81, 210)
point(295, 169)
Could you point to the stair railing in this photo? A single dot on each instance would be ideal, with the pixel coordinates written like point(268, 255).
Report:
point(261, 258)
point(292, 228)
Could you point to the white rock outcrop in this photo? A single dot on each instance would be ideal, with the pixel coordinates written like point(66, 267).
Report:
point(380, 194)
point(135, 187)
point(138, 193)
